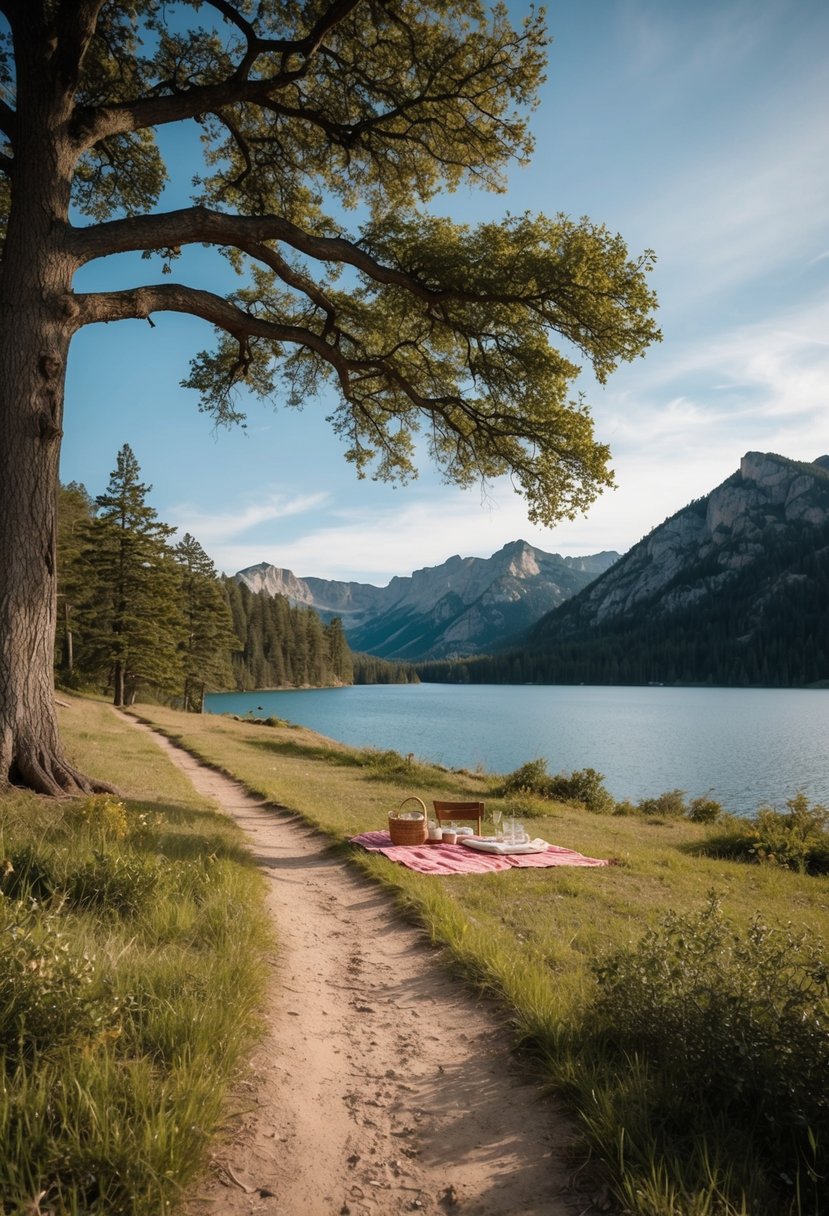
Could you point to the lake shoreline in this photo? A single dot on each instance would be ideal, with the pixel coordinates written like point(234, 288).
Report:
point(746, 748)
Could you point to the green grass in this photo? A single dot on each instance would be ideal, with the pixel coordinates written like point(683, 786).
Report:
point(132, 964)
point(537, 940)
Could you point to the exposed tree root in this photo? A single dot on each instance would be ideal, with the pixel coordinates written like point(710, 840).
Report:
point(54, 776)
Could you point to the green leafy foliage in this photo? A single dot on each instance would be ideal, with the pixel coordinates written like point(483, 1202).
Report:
point(797, 838)
point(739, 1018)
point(671, 803)
point(51, 992)
point(584, 786)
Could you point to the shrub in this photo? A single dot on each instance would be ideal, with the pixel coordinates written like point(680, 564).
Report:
point(787, 838)
point(705, 810)
point(584, 786)
point(625, 807)
point(670, 804)
point(732, 1023)
point(530, 778)
point(120, 882)
point(797, 838)
point(49, 992)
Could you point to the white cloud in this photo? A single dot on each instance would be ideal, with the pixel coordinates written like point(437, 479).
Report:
point(210, 529)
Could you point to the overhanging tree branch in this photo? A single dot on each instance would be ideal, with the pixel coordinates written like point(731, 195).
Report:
point(197, 225)
point(285, 46)
point(93, 125)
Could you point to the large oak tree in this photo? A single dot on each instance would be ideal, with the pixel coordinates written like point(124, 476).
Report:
point(306, 109)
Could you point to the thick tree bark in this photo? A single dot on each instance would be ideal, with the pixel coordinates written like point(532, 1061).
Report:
point(36, 326)
point(33, 348)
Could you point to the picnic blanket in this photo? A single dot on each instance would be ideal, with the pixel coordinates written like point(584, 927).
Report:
point(458, 859)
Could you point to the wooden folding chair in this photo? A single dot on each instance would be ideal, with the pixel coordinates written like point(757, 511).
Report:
point(448, 812)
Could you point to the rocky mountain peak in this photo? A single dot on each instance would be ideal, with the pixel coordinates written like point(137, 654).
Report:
point(460, 607)
point(699, 551)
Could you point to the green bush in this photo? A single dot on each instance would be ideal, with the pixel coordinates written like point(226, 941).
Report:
point(797, 838)
point(671, 804)
point(121, 882)
point(732, 1024)
point(626, 807)
point(50, 991)
point(705, 810)
point(530, 778)
point(583, 786)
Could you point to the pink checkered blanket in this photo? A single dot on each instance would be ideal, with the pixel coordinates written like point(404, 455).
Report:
point(458, 859)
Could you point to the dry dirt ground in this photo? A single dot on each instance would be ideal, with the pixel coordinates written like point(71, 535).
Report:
point(381, 1085)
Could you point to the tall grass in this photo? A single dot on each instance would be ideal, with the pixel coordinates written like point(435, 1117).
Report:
point(651, 1008)
point(132, 943)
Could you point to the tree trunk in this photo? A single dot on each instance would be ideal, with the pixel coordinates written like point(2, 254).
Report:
point(118, 683)
point(36, 327)
point(32, 360)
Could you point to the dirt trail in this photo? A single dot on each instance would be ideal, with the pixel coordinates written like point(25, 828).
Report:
point(381, 1085)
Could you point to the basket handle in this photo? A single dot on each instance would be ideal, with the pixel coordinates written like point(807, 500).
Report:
point(414, 798)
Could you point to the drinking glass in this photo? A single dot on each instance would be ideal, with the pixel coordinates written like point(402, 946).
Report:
point(497, 816)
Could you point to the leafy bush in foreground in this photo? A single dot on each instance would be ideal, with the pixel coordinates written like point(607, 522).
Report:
point(50, 990)
point(728, 1026)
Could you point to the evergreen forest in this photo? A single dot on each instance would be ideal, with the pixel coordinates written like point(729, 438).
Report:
point(766, 628)
point(140, 615)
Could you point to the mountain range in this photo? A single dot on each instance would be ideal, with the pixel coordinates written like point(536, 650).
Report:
point(463, 607)
point(732, 590)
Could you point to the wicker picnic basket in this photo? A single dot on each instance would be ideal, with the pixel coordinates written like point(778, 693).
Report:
point(408, 831)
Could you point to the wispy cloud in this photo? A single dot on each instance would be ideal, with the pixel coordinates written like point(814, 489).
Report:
point(213, 529)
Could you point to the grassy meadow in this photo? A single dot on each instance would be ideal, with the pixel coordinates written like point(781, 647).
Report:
point(679, 1002)
point(132, 962)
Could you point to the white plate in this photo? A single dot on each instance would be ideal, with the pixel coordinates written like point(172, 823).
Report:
point(502, 846)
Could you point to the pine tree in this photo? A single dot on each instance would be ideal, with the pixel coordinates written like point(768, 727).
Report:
point(132, 618)
point(74, 515)
point(208, 638)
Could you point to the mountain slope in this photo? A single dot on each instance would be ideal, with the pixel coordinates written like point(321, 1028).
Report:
point(732, 589)
point(462, 607)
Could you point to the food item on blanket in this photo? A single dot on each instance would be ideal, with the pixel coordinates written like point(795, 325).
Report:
point(450, 836)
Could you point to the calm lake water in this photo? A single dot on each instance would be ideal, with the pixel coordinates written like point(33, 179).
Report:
point(749, 747)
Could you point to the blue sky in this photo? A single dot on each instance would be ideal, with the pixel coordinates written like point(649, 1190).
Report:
point(700, 130)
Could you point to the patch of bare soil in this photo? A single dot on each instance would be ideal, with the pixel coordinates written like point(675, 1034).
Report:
point(381, 1086)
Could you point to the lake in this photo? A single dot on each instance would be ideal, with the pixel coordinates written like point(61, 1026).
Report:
point(749, 747)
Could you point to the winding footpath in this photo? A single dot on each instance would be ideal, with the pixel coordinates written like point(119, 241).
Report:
point(381, 1086)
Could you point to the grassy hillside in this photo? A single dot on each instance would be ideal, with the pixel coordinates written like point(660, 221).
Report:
point(679, 1002)
point(132, 947)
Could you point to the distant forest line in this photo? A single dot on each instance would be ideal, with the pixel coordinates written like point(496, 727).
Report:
point(141, 615)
